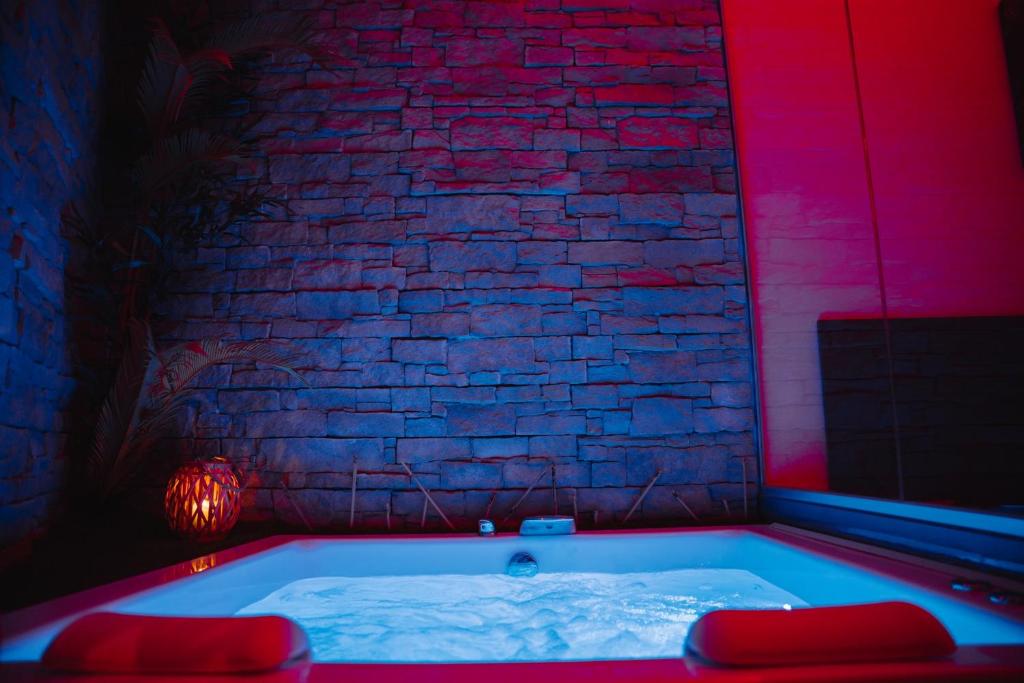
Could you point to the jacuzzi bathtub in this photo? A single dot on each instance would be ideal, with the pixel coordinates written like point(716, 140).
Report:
point(739, 566)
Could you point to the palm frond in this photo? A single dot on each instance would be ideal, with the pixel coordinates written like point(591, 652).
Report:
point(176, 156)
point(263, 33)
point(266, 33)
point(119, 413)
point(207, 69)
point(151, 426)
point(181, 364)
point(165, 81)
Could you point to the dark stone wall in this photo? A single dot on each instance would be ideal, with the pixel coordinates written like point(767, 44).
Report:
point(49, 84)
point(512, 244)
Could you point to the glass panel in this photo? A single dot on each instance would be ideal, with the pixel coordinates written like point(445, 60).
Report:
point(949, 186)
point(811, 248)
point(883, 195)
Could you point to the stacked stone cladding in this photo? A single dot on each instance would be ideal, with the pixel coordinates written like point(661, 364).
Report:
point(511, 243)
point(50, 69)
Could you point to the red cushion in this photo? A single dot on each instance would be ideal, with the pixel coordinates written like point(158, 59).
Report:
point(105, 642)
point(817, 635)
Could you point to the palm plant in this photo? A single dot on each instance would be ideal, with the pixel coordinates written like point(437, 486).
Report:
point(177, 185)
point(178, 189)
point(185, 189)
point(149, 392)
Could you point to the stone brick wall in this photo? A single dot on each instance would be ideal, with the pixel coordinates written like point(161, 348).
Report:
point(49, 70)
point(512, 244)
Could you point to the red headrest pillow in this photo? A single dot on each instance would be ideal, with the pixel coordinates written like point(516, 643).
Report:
point(105, 642)
point(818, 635)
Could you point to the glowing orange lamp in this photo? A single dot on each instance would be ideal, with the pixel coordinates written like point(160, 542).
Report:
point(203, 500)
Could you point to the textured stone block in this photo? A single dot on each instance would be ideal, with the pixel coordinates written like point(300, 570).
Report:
point(639, 301)
point(715, 138)
point(662, 367)
point(480, 395)
point(564, 323)
point(547, 159)
point(664, 38)
point(365, 424)
point(553, 446)
point(332, 305)
point(501, 320)
point(416, 451)
point(640, 132)
point(520, 394)
point(386, 141)
point(677, 466)
point(309, 168)
point(570, 372)
point(565, 140)
point(473, 52)
point(672, 179)
point(662, 415)
point(702, 95)
point(285, 423)
point(421, 301)
point(327, 274)
point(714, 420)
point(477, 420)
point(594, 37)
point(548, 56)
point(551, 424)
point(486, 166)
point(410, 399)
point(660, 209)
point(428, 426)
point(612, 474)
point(635, 95)
point(468, 214)
point(248, 401)
point(591, 205)
point(467, 256)
point(598, 138)
point(320, 454)
point(720, 274)
point(502, 355)
point(422, 351)
point(541, 252)
point(559, 276)
point(440, 325)
point(594, 5)
point(501, 447)
point(592, 348)
point(595, 396)
point(671, 253)
point(732, 394)
point(478, 132)
point(711, 204)
point(553, 348)
point(470, 475)
point(366, 328)
point(606, 253)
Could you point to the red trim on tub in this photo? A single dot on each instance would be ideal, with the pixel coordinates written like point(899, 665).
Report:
point(968, 663)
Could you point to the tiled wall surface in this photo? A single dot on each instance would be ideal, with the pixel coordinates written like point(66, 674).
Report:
point(49, 69)
point(512, 244)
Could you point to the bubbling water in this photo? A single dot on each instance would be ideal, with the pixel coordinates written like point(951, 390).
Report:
point(492, 617)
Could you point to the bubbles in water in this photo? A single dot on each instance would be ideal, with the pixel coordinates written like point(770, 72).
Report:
point(446, 618)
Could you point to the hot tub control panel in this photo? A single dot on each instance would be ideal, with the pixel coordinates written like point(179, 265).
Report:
point(547, 526)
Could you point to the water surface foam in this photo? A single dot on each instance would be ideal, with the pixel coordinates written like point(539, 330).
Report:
point(492, 617)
